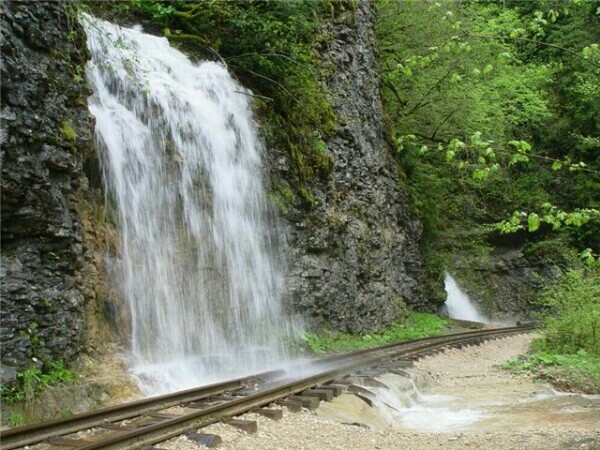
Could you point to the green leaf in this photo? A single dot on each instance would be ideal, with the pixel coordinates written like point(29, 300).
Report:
point(533, 222)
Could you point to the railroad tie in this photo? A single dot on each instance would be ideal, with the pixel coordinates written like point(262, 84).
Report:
point(336, 389)
point(249, 426)
point(321, 394)
point(204, 439)
point(363, 393)
point(311, 403)
point(400, 363)
point(292, 405)
point(273, 414)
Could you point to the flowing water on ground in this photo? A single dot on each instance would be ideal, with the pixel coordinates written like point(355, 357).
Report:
point(399, 403)
point(458, 303)
point(199, 265)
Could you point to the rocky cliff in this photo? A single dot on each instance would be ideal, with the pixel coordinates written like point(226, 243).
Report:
point(508, 283)
point(47, 275)
point(355, 260)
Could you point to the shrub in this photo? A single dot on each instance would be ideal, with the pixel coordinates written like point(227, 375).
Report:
point(573, 323)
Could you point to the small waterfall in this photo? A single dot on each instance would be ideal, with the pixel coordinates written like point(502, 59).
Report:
point(400, 403)
point(198, 264)
point(458, 303)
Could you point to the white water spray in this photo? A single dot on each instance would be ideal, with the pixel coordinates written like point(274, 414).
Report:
point(198, 265)
point(459, 304)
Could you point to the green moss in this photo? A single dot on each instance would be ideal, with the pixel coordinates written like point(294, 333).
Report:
point(323, 161)
point(53, 140)
point(336, 219)
point(308, 198)
point(282, 197)
point(556, 249)
point(67, 131)
point(300, 165)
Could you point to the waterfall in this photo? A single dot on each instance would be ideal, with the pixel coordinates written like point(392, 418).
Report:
point(198, 266)
point(459, 304)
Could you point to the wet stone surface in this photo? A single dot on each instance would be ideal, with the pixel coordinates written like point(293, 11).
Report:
point(354, 259)
point(46, 137)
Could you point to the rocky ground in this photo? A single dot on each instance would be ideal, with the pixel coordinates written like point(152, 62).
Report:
point(518, 413)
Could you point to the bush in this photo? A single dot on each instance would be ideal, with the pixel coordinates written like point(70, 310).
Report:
point(32, 381)
point(573, 323)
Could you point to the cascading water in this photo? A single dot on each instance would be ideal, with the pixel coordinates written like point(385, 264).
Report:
point(182, 160)
point(458, 303)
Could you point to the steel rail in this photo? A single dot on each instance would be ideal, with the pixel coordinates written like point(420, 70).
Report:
point(174, 427)
point(348, 362)
point(31, 434)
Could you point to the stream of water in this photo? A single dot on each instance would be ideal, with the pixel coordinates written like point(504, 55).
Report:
point(200, 264)
point(458, 303)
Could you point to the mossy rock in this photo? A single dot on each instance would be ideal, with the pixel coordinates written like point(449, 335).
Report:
point(282, 197)
point(67, 131)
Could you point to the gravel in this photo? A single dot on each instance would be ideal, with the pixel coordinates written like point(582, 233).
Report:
point(452, 369)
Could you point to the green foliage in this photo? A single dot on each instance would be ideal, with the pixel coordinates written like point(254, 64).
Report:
point(550, 215)
point(577, 372)
point(496, 110)
point(574, 322)
point(417, 325)
point(16, 419)
point(32, 381)
point(568, 354)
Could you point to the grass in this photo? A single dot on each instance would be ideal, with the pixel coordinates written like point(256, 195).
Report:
point(573, 372)
point(16, 419)
point(417, 325)
point(568, 354)
point(32, 381)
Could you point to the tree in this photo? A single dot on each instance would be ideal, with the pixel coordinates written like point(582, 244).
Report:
point(495, 109)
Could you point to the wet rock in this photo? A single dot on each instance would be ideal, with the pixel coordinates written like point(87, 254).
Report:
point(362, 231)
point(8, 374)
point(508, 283)
point(43, 248)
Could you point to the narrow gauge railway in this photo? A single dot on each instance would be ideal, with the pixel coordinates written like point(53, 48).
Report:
point(147, 424)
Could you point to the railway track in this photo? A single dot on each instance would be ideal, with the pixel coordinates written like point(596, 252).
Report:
point(144, 422)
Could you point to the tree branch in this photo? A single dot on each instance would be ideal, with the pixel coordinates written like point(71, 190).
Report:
point(547, 44)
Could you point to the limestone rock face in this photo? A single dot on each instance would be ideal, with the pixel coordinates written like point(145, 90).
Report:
point(46, 137)
point(507, 284)
point(355, 259)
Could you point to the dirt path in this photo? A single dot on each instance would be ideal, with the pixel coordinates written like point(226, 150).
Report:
point(511, 413)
